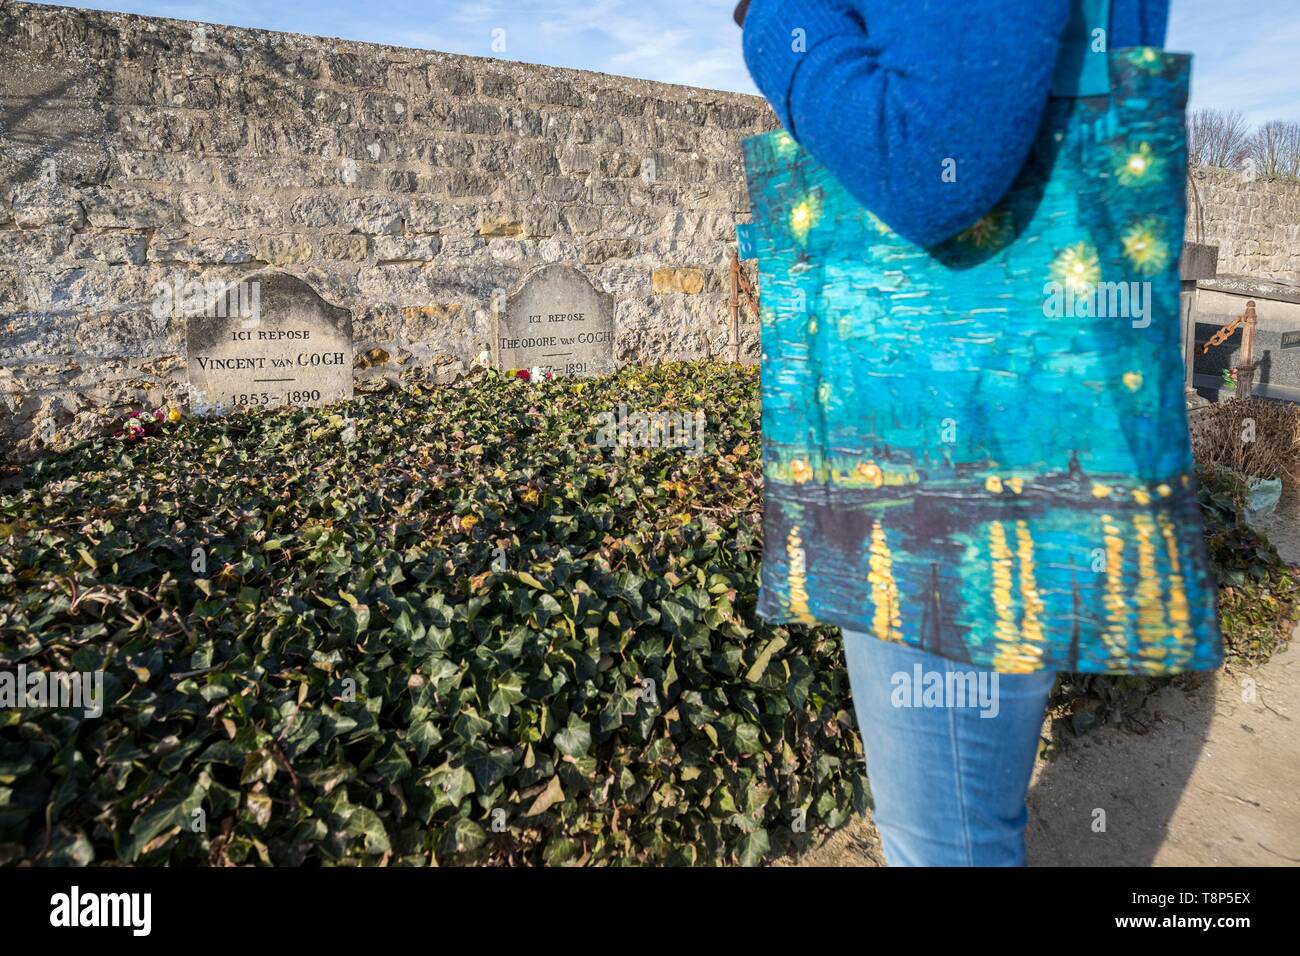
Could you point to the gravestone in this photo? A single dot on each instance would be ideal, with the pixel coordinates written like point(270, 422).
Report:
point(557, 322)
point(1277, 334)
point(268, 340)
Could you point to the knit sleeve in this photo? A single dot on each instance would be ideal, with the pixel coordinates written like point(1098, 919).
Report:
point(924, 110)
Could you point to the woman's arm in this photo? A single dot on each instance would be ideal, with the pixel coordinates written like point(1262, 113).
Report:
point(892, 94)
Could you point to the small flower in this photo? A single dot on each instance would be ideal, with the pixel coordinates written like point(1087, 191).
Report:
point(1147, 58)
point(1077, 268)
point(1144, 247)
point(991, 232)
point(158, 414)
point(173, 414)
point(804, 216)
point(523, 374)
point(1139, 167)
point(550, 376)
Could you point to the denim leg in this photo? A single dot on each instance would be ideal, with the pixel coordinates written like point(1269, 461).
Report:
point(949, 748)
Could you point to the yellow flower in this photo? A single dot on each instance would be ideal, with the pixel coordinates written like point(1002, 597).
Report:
point(992, 232)
point(1139, 167)
point(804, 216)
point(1144, 247)
point(173, 414)
point(468, 521)
point(1148, 58)
point(801, 219)
point(1077, 268)
point(800, 471)
point(530, 495)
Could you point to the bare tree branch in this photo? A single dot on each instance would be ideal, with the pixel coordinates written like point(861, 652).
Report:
point(1217, 138)
point(1274, 151)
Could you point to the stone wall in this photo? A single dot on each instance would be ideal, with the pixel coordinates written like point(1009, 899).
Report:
point(414, 188)
point(1255, 224)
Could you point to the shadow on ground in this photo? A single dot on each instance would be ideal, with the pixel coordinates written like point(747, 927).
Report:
point(1212, 779)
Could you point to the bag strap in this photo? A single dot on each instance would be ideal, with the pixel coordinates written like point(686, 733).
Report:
point(1082, 67)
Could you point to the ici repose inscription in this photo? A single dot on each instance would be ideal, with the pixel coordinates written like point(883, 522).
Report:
point(269, 340)
point(558, 322)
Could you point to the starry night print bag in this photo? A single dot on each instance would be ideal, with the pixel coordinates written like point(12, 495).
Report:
point(981, 449)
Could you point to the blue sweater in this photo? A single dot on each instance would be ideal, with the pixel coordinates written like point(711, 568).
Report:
point(883, 92)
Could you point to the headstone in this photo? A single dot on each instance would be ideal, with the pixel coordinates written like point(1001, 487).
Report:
point(268, 340)
point(557, 322)
point(1277, 308)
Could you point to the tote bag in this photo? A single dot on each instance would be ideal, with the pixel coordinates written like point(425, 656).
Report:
point(981, 449)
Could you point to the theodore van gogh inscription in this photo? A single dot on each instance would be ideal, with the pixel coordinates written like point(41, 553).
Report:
point(558, 322)
point(295, 350)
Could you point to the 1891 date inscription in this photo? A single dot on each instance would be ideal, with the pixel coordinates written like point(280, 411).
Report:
point(558, 322)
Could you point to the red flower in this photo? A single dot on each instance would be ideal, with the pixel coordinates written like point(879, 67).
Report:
point(550, 375)
point(524, 374)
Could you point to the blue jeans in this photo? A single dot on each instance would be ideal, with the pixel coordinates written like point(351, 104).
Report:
point(949, 749)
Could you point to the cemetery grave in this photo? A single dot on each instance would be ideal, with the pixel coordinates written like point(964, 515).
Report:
point(355, 596)
point(445, 625)
point(470, 633)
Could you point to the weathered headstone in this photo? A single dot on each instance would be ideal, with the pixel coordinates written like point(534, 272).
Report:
point(267, 340)
point(1277, 332)
point(557, 322)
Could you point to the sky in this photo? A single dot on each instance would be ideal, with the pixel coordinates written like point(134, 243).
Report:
point(1245, 51)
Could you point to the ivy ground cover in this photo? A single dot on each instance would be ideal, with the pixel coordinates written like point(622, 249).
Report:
point(434, 626)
